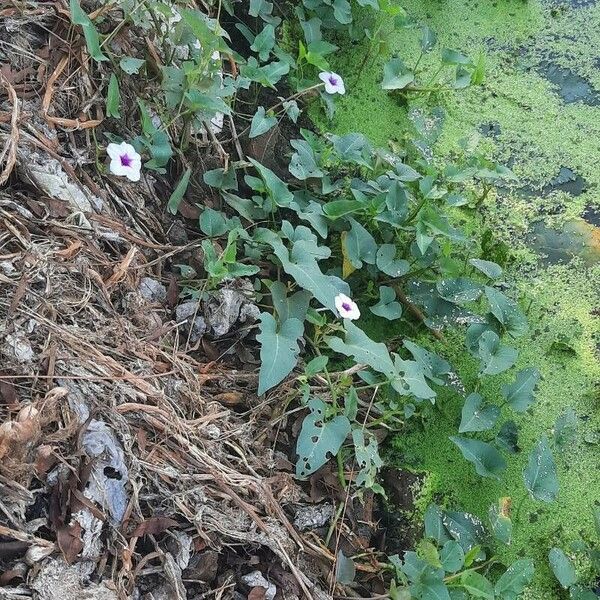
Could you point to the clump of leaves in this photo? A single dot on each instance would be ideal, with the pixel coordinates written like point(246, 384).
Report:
point(456, 559)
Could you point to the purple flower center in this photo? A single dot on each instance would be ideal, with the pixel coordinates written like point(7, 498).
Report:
point(126, 160)
point(346, 307)
point(333, 80)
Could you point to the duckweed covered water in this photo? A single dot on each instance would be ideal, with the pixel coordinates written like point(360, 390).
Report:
point(538, 113)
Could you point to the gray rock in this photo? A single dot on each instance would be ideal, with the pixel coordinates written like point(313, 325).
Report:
point(311, 517)
point(152, 290)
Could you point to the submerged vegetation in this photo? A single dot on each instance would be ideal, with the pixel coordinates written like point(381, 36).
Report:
point(394, 189)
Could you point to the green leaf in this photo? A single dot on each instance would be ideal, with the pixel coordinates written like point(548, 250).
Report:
point(221, 179)
point(487, 460)
point(360, 245)
point(345, 571)
point(459, 290)
point(386, 261)
point(213, 222)
point(471, 555)
point(491, 269)
point(500, 520)
point(353, 148)
point(452, 556)
point(540, 473)
point(565, 428)
point(507, 312)
point(477, 585)
point(514, 580)
point(434, 525)
point(452, 57)
point(435, 368)
point(562, 568)
point(287, 306)
point(396, 75)
point(520, 394)
point(292, 110)
point(92, 41)
point(363, 349)
point(409, 379)
point(351, 404)
point(131, 65)
point(319, 438)
point(303, 267)
point(177, 196)
point(475, 417)
point(428, 39)
point(303, 164)
point(495, 357)
point(340, 208)
point(578, 592)
point(264, 42)
point(316, 366)
point(468, 531)
point(278, 190)
point(367, 458)
point(113, 98)
point(278, 351)
point(429, 553)
point(508, 437)
point(387, 307)
point(261, 123)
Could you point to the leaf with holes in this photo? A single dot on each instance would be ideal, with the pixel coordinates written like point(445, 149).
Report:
point(278, 350)
point(319, 439)
point(540, 473)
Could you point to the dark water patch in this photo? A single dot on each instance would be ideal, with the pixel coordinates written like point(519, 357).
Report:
point(558, 4)
point(591, 215)
point(570, 86)
point(490, 129)
point(566, 181)
point(575, 238)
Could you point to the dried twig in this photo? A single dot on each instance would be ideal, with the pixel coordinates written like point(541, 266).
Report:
point(9, 152)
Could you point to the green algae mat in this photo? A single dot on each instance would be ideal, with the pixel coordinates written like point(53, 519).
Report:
point(538, 111)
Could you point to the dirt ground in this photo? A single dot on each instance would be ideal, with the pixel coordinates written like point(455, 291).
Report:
point(136, 460)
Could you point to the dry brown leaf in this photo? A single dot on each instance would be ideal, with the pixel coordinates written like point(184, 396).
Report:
point(230, 398)
point(257, 593)
point(44, 459)
point(69, 541)
point(154, 526)
point(8, 395)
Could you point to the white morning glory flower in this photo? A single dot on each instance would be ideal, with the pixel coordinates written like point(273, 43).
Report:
point(124, 161)
point(346, 307)
point(334, 84)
